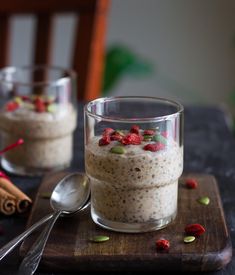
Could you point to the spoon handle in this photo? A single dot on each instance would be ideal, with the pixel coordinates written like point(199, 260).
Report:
point(33, 257)
point(13, 243)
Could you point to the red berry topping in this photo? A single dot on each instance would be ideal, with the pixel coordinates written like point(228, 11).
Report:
point(135, 129)
point(105, 140)
point(12, 106)
point(154, 147)
point(165, 134)
point(108, 131)
point(3, 175)
point(116, 136)
point(25, 98)
point(40, 107)
point(132, 138)
point(162, 245)
point(149, 132)
point(195, 229)
point(191, 183)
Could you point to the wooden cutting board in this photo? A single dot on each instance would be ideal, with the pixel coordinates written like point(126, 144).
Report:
point(69, 247)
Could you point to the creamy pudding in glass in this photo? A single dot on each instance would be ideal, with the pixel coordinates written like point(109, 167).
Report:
point(45, 120)
point(134, 171)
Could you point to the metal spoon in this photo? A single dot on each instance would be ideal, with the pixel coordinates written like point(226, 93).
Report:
point(77, 181)
point(69, 196)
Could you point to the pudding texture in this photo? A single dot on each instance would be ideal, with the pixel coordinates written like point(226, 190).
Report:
point(48, 136)
point(138, 186)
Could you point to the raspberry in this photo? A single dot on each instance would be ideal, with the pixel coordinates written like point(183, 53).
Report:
point(105, 140)
point(135, 129)
point(149, 132)
point(154, 147)
point(132, 138)
point(162, 245)
point(12, 106)
point(191, 183)
point(108, 131)
point(195, 229)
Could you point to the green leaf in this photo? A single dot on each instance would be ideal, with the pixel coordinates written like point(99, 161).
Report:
point(120, 61)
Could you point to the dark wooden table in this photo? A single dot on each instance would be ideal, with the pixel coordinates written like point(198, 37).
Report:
point(209, 148)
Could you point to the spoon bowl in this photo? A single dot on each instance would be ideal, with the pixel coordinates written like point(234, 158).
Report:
point(71, 193)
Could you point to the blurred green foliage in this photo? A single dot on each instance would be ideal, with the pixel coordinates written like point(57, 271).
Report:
point(122, 61)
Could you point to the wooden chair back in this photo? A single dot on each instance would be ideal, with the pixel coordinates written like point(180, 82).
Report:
point(89, 42)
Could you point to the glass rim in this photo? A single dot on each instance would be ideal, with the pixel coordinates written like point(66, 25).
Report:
point(136, 119)
point(71, 74)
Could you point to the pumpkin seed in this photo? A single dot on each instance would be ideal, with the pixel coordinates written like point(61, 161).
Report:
point(120, 132)
point(204, 200)
point(18, 100)
point(189, 239)
point(51, 108)
point(147, 137)
point(117, 150)
point(160, 138)
point(99, 239)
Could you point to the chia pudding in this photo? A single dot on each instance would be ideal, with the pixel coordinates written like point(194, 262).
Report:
point(47, 131)
point(136, 184)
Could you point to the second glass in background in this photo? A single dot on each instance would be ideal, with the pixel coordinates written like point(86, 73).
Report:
point(38, 104)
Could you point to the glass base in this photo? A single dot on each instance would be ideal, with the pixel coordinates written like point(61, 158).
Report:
point(28, 171)
point(133, 227)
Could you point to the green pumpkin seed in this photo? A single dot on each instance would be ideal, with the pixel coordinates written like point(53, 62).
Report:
point(118, 150)
point(189, 239)
point(52, 108)
point(99, 239)
point(147, 137)
point(160, 138)
point(204, 200)
point(18, 100)
point(120, 132)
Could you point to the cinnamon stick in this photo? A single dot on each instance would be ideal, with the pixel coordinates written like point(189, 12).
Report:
point(22, 201)
point(7, 203)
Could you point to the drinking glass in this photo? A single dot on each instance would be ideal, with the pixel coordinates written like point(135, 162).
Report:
point(133, 158)
point(38, 104)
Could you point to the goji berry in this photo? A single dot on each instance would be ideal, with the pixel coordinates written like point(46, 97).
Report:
point(135, 129)
point(191, 183)
point(11, 146)
point(12, 106)
point(116, 136)
point(165, 134)
point(105, 140)
point(153, 147)
point(25, 98)
point(131, 138)
point(162, 245)
point(40, 107)
point(195, 229)
point(3, 175)
point(108, 131)
point(149, 132)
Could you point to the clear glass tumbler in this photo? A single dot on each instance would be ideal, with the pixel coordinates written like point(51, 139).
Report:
point(133, 158)
point(38, 104)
